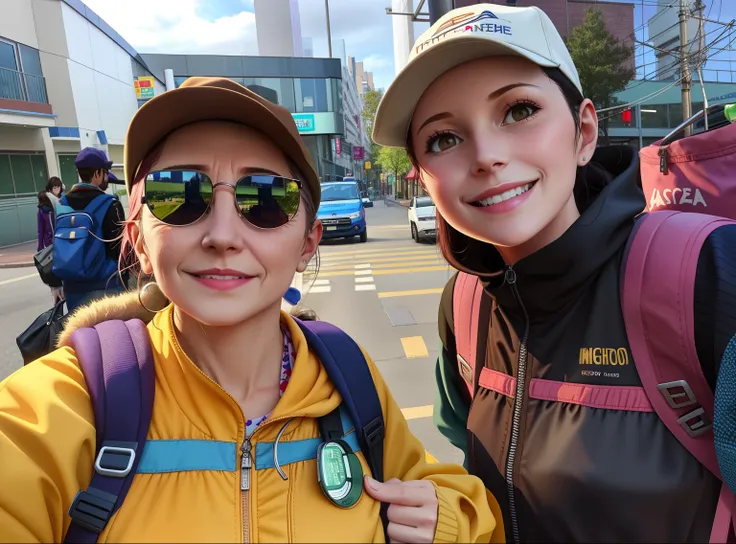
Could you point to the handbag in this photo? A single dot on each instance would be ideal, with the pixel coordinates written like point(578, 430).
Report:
point(40, 338)
point(44, 261)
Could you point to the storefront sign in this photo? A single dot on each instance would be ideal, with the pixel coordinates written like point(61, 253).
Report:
point(338, 146)
point(358, 153)
point(144, 87)
point(368, 165)
point(315, 123)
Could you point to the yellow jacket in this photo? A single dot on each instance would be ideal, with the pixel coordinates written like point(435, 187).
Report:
point(47, 450)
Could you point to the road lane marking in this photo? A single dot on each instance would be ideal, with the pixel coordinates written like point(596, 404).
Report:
point(364, 280)
point(20, 278)
point(428, 261)
point(414, 347)
point(402, 226)
point(418, 412)
point(321, 282)
point(430, 458)
point(384, 257)
point(391, 294)
point(382, 251)
point(365, 287)
point(413, 270)
point(319, 289)
point(367, 272)
point(364, 265)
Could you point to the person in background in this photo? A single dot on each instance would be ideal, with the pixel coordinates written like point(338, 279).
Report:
point(46, 225)
point(54, 190)
point(93, 168)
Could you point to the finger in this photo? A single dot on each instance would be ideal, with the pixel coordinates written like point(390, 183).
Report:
point(398, 493)
point(411, 516)
point(401, 533)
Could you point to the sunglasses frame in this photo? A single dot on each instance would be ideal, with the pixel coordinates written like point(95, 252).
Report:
point(299, 184)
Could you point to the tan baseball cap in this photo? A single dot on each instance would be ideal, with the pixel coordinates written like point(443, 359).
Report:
point(215, 99)
point(462, 35)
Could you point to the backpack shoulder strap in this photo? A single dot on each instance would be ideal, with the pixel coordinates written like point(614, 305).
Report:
point(657, 296)
point(467, 298)
point(98, 207)
point(117, 363)
point(348, 370)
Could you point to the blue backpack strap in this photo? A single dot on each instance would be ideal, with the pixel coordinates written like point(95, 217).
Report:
point(349, 372)
point(117, 363)
point(98, 208)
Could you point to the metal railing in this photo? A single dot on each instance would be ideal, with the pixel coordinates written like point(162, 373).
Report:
point(16, 85)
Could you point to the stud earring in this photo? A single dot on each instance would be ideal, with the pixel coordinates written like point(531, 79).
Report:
point(585, 159)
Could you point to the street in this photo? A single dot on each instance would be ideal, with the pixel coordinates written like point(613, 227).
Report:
point(385, 293)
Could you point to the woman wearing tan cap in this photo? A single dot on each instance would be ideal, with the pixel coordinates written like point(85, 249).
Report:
point(224, 419)
point(588, 340)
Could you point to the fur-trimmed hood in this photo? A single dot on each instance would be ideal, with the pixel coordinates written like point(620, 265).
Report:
point(123, 307)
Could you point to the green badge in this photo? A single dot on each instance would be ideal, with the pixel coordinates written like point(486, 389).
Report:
point(340, 473)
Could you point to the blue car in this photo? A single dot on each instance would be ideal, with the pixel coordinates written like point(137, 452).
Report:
point(341, 211)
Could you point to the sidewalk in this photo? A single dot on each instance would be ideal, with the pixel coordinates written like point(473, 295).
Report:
point(19, 256)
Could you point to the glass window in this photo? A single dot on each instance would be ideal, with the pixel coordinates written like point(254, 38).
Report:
point(623, 119)
point(313, 95)
point(40, 172)
point(178, 80)
point(339, 191)
point(675, 115)
point(22, 174)
point(30, 60)
point(654, 116)
point(275, 89)
point(7, 56)
point(6, 176)
point(424, 202)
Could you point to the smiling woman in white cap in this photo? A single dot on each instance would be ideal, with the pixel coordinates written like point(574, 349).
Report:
point(225, 419)
point(539, 373)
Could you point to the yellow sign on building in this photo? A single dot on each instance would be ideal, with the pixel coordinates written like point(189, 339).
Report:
point(367, 165)
point(144, 87)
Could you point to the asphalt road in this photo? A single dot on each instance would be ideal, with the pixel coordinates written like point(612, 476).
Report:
point(385, 293)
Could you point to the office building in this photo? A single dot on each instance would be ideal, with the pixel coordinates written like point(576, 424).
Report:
point(278, 28)
point(67, 81)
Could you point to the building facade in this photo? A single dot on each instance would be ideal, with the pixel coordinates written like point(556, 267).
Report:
point(66, 82)
point(310, 88)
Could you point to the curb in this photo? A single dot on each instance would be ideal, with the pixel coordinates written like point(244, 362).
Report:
point(16, 265)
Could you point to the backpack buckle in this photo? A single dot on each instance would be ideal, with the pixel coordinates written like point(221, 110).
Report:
point(374, 432)
point(466, 371)
point(678, 394)
point(92, 509)
point(116, 460)
point(695, 423)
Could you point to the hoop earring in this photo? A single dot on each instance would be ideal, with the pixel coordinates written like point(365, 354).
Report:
point(144, 292)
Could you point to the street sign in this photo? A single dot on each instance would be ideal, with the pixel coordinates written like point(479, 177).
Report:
point(367, 165)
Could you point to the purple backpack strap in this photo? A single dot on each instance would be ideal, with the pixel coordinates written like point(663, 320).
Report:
point(117, 363)
point(467, 297)
point(657, 298)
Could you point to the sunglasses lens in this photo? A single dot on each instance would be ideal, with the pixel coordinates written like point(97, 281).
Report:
point(178, 197)
point(268, 201)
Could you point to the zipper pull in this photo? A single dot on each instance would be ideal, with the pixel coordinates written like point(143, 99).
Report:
point(246, 463)
point(663, 160)
point(510, 276)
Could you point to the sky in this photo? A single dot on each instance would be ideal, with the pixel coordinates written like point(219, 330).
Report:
point(228, 27)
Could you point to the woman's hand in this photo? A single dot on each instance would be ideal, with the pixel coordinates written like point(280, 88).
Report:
point(412, 511)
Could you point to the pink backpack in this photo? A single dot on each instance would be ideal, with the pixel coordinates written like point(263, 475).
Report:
point(657, 292)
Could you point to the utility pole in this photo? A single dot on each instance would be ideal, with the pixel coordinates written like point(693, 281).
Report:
point(329, 30)
point(700, 7)
point(685, 69)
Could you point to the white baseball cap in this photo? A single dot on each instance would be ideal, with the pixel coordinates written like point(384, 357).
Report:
point(462, 35)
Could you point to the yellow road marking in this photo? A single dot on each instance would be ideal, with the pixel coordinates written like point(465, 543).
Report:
point(417, 412)
point(430, 458)
point(370, 259)
point(390, 294)
point(377, 253)
point(423, 262)
point(414, 347)
point(387, 272)
point(21, 278)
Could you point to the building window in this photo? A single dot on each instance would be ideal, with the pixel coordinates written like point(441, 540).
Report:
point(22, 174)
point(21, 77)
point(654, 116)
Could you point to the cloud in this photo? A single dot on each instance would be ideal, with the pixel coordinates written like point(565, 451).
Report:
point(182, 26)
point(228, 27)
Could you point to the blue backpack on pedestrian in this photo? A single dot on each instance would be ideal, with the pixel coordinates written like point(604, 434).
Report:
point(117, 362)
point(79, 246)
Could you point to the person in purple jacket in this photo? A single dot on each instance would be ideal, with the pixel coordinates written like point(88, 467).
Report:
point(45, 219)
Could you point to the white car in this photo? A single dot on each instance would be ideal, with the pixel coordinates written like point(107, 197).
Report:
point(422, 216)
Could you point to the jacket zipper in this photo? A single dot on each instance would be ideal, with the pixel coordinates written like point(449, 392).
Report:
point(510, 277)
point(246, 463)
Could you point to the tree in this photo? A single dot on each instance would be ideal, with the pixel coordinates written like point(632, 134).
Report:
point(602, 61)
point(371, 100)
point(395, 160)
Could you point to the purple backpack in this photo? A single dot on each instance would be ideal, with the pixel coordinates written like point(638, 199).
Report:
point(118, 366)
point(657, 293)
